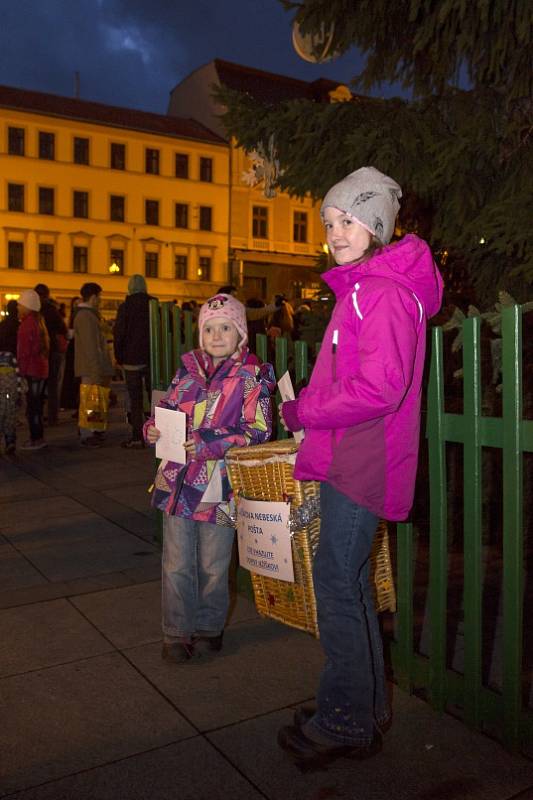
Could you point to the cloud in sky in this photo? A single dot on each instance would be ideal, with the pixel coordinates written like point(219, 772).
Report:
point(133, 52)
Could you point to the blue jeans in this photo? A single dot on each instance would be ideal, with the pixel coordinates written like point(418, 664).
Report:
point(196, 559)
point(351, 696)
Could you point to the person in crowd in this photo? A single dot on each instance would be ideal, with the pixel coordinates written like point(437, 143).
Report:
point(57, 333)
point(361, 417)
point(10, 382)
point(92, 363)
point(70, 391)
point(254, 313)
point(225, 393)
point(255, 326)
point(132, 352)
point(33, 349)
point(9, 327)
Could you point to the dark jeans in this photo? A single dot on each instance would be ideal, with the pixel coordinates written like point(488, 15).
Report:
point(55, 381)
point(351, 697)
point(34, 406)
point(135, 379)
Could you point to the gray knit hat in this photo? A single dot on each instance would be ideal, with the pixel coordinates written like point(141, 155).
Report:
point(369, 196)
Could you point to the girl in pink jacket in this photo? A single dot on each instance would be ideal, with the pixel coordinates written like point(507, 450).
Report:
point(33, 346)
point(361, 417)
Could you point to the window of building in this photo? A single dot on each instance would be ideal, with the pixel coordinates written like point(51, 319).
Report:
point(80, 258)
point(80, 204)
point(151, 160)
point(117, 260)
point(15, 255)
point(46, 257)
point(206, 169)
point(81, 150)
point(47, 144)
point(151, 265)
point(15, 141)
point(182, 165)
point(260, 222)
point(151, 212)
point(46, 200)
point(299, 228)
point(180, 267)
point(116, 208)
point(182, 215)
point(118, 156)
point(204, 268)
point(15, 197)
point(206, 218)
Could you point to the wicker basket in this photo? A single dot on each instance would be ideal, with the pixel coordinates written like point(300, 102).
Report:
point(265, 472)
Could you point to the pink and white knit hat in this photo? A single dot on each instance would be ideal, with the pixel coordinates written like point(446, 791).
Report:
point(227, 307)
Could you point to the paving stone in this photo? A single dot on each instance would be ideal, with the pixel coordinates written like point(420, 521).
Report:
point(128, 617)
point(259, 669)
point(16, 572)
point(136, 497)
point(86, 557)
point(53, 591)
point(61, 720)
point(30, 534)
point(39, 509)
point(44, 634)
point(426, 756)
point(190, 770)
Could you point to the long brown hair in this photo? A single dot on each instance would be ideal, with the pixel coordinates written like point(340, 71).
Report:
point(374, 246)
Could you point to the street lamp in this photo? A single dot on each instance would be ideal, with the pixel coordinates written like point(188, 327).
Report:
point(114, 268)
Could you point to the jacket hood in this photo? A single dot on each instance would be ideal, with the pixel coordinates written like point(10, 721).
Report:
point(408, 262)
point(137, 300)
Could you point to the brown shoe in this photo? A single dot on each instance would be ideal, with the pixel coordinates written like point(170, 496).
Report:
point(179, 652)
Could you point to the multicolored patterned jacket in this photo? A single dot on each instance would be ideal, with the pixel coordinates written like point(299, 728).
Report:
point(226, 406)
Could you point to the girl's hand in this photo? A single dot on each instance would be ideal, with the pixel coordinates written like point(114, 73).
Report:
point(190, 446)
point(152, 434)
point(280, 411)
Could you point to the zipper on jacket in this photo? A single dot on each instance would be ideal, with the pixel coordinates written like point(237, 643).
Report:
point(334, 343)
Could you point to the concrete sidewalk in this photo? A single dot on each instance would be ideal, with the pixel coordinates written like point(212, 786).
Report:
point(89, 710)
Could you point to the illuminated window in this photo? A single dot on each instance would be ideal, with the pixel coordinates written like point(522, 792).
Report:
point(81, 150)
point(15, 197)
point(46, 257)
point(15, 255)
point(117, 258)
point(151, 265)
point(260, 222)
point(182, 165)
point(80, 204)
point(206, 169)
point(299, 230)
point(204, 268)
point(180, 267)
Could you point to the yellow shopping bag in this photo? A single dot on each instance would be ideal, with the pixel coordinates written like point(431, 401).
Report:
point(94, 405)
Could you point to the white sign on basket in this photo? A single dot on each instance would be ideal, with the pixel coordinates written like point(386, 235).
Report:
point(264, 537)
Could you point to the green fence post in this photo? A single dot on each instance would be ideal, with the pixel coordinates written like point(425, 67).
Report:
point(438, 552)
point(513, 536)
point(473, 572)
point(404, 598)
point(281, 368)
point(301, 364)
point(155, 345)
point(261, 346)
point(189, 333)
point(166, 342)
point(176, 338)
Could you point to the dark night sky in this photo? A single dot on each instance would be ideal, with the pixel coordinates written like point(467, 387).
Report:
point(132, 52)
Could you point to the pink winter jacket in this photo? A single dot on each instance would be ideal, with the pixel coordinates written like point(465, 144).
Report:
point(361, 410)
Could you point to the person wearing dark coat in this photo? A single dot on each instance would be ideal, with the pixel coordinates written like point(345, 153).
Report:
point(132, 352)
point(9, 327)
point(57, 332)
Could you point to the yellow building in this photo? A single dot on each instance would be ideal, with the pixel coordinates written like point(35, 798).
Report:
point(274, 241)
point(90, 192)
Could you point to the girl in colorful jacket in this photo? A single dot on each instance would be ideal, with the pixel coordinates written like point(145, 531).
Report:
point(33, 348)
point(225, 392)
point(361, 417)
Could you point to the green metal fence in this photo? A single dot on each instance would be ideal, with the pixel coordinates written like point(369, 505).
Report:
point(502, 712)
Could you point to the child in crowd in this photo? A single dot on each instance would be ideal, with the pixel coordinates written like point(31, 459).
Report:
point(361, 416)
point(10, 384)
point(225, 392)
point(33, 348)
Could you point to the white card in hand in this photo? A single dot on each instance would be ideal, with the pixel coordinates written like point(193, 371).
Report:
point(173, 428)
point(286, 391)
